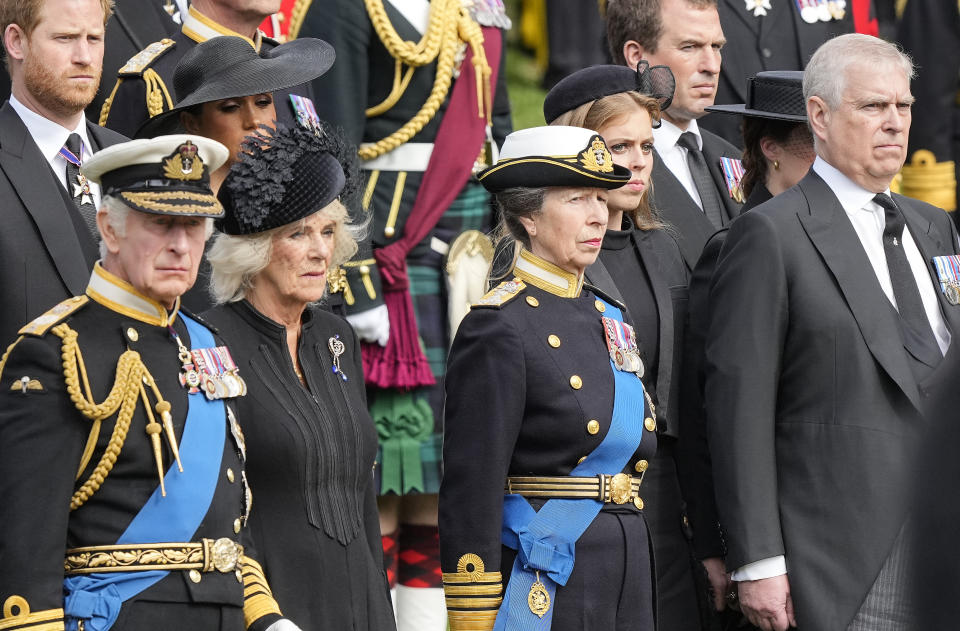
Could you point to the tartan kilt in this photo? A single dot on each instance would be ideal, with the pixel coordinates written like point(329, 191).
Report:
point(471, 210)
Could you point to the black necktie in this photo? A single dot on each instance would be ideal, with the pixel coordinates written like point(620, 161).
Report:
point(918, 337)
point(701, 178)
point(77, 186)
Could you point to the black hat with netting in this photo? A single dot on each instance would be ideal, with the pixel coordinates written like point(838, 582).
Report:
point(284, 175)
point(776, 94)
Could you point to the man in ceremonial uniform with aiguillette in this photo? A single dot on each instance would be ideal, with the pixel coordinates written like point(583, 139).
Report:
point(121, 461)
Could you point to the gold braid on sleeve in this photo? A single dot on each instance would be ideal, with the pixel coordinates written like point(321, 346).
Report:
point(473, 595)
point(449, 26)
point(128, 387)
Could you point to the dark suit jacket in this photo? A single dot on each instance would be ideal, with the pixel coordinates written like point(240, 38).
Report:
point(675, 206)
point(780, 40)
point(46, 251)
point(813, 412)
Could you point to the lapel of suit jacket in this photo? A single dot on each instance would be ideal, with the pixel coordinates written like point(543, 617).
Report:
point(712, 152)
point(930, 245)
point(598, 276)
point(24, 165)
point(740, 58)
point(777, 21)
point(643, 241)
point(675, 206)
point(833, 235)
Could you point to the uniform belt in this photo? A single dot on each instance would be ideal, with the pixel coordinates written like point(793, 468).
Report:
point(207, 555)
point(610, 489)
point(411, 157)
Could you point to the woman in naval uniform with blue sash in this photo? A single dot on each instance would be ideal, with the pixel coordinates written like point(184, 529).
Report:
point(549, 430)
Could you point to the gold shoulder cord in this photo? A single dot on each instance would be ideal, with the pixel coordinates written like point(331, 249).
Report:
point(449, 24)
point(128, 387)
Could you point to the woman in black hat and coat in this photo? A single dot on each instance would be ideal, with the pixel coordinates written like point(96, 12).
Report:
point(311, 441)
point(224, 90)
point(641, 263)
point(548, 430)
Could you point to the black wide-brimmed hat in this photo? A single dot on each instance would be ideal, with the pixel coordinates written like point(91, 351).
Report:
point(228, 67)
point(284, 175)
point(166, 175)
point(776, 94)
point(554, 156)
point(596, 82)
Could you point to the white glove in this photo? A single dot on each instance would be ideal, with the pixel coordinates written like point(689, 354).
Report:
point(372, 325)
point(283, 625)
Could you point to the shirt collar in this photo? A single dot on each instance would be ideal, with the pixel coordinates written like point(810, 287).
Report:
point(118, 295)
point(49, 136)
point(538, 272)
point(200, 28)
point(665, 136)
point(851, 195)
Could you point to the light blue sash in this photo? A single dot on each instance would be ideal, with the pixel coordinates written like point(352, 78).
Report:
point(97, 598)
point(545, 539)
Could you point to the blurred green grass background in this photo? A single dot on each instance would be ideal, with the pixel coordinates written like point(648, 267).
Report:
point(524, 76)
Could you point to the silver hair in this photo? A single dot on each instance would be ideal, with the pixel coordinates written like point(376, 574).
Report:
point(826, 74)
point(117, 213)
point(236, 260)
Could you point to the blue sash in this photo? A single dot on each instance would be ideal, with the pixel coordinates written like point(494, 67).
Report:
point(97, 598)
point(545, 539)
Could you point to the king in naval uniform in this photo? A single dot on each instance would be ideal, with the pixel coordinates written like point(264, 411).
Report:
point(122, 477)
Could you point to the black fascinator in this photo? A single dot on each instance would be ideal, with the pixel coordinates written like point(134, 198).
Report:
point(597, 82)
point(286, 174)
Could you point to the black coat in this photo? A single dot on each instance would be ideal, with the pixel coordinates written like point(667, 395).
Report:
point(42, 437)
point(680, 475)
point(674, 205)
point(311, 456)
point(511, 410)
point(46, 250)
point(813, 411)
point(780, 40)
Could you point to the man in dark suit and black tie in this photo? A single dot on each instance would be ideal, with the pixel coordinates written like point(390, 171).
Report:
point(689, 187)
point(832, 306)
point(54, 52)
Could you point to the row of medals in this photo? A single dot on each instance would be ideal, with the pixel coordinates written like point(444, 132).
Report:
point(198, 375)
point(823, 10)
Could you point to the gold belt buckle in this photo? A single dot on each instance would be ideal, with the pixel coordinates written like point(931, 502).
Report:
point(222, 555)
point(621, 488)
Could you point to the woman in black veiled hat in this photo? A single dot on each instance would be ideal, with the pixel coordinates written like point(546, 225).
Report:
point(311, 440)
point(641, 263)
point(225, 90)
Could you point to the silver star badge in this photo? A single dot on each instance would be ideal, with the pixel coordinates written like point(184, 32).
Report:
point(759, 7)
point(82, 190)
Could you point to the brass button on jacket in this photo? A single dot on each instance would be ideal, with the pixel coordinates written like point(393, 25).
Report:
point(576, 382)
point(533, 302)
point(553, 341)
point(641, 466)
point(600, 306)
point(650, 424)
point(593, 427)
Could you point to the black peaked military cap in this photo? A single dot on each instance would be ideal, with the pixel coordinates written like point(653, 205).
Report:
point(283, 175)
point(776, 94)
point(228, 67)
point(596, 82)
point(166, 175)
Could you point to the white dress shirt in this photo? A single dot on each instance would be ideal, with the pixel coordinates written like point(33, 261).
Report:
point(50, 137)
point(674, 156)
point(868, 221)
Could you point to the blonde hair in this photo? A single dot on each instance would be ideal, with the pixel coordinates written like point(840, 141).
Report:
point(236, 260)
point(596, 115)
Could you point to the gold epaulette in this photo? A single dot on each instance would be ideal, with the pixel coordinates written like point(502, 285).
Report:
point(142, 60)
point(930, 181)
point(501, 294)
point(258, 600)
point(42, 324)
point(17, 615)
point(473, 595)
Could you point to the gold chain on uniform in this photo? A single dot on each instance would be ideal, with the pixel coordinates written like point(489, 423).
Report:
point(449, 25)
point(128, 386)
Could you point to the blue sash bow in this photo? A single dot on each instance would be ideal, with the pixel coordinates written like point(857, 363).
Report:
point(96, 598)
point(545, 540)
